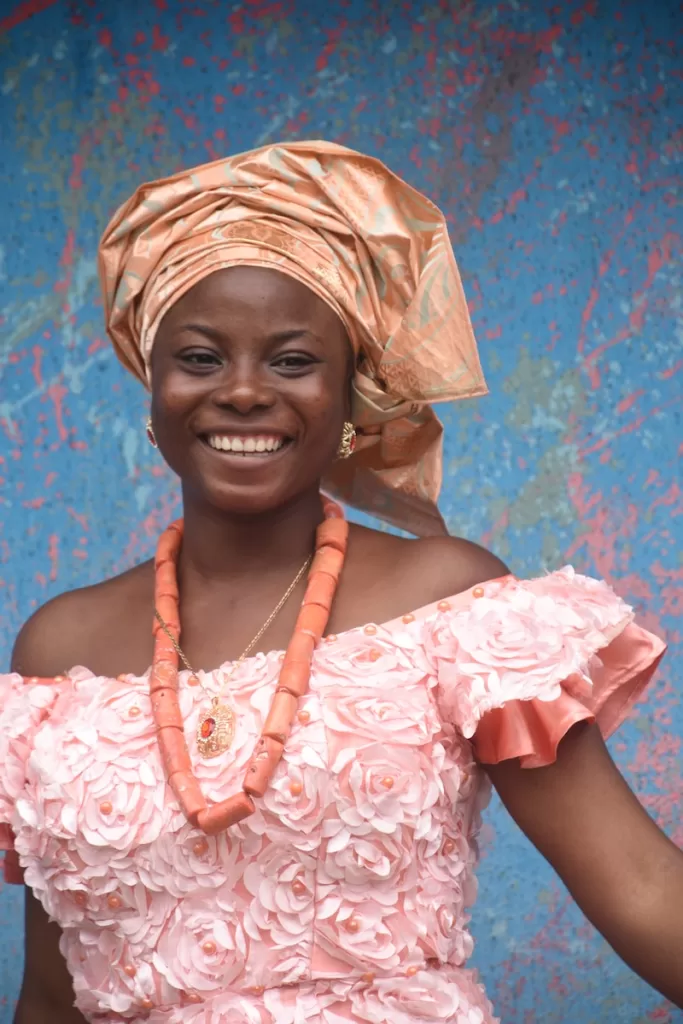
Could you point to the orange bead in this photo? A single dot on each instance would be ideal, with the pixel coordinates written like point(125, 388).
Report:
point(192, 997)
point(329, 562)
point(280, 717)
point(295, 788)
point(444, 606)
point(298, 887)
point(262, 765)
point(313, 617)
point(412, 971)
point(332, 533)
point(300, 648)
point(388, 781)
point(173, 750)
point(408, 618)
point(478, 592)
point(134, 711)
point(200, 848)
point(352, 925)
point(193, 681)
point(320, 590)
point(257, 990)
point(166, 709)
point(228, 812)
point(368, 977)
point(332, 638)
point(130, 970)
point(448, 847)
point(114, 901)
point(209, 948)
point(304, 717)
point(370, 630)
point(294, 677)
point(80, 898)
point(374, 654)
point(106, 807)
point(146, 1004)
point(164, 674)
point(188, 794)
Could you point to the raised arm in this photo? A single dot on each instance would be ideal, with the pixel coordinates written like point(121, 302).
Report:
point(623, 872)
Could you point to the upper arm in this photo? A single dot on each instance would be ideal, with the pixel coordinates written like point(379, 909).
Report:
point(47, 991)
point(581, 815)
point(46, 642)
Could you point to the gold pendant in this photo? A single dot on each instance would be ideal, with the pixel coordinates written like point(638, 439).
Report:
point(215, 729)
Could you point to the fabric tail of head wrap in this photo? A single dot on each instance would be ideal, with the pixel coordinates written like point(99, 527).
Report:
point(368, 244)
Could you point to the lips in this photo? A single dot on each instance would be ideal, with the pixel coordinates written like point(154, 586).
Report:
point(263, 445)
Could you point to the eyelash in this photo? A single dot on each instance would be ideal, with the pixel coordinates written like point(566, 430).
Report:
point(289, 361)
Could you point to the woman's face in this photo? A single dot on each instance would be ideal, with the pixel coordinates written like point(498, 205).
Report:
point(250, 389)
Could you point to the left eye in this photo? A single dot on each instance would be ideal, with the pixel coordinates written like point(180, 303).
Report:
point(293, 362)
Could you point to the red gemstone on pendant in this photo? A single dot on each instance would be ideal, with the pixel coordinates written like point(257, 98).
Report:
point(207, 729)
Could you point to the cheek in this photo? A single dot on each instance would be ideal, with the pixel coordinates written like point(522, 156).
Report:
point(175, 393)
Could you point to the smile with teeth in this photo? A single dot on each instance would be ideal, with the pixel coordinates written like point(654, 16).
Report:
point(258, 444)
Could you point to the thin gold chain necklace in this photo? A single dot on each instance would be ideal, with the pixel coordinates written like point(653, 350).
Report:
point(216, 726)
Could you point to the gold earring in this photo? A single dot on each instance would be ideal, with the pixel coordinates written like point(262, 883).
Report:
point(149, 429)
point(347, 445)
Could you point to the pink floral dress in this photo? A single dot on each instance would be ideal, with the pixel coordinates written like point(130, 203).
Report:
point(344, 897)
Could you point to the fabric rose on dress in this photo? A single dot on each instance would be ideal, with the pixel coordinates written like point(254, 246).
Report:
point(383, 863)
point(188, 860)
point(295, 802)
point(511, 647)
point(281, 881)
point(23, 706)
point(365, 935)
point(204, 946)
point(383, 787)
point(76, 787)
point(299, 1005)
point(589, 609)
point(367, 658)
point(401, 712)
point(224, 1008)
point(426, 996)
point(241, 681)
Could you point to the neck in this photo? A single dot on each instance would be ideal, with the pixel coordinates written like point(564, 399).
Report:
point(218, 546)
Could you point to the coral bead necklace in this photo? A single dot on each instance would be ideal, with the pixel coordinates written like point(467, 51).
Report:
point(323, 577)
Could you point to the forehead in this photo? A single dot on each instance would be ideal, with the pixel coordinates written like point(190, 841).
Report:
point(255, 291)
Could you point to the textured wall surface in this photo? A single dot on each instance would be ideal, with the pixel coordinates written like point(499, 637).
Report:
point(548, 133)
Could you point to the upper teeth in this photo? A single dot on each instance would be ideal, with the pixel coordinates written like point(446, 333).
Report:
point(245, 444)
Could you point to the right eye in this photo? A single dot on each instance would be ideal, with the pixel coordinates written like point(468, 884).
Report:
point(200, 359)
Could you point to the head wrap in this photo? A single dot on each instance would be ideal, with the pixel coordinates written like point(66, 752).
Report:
point(368, 244)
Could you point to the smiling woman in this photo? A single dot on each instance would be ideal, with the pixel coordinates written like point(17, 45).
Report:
point(237, 809)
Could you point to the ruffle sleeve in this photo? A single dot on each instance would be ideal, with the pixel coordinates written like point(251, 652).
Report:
point(525, 660)
point(24, 704)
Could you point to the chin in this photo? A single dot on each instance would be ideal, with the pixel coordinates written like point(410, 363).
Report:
point(251, 499)
point(251, 486)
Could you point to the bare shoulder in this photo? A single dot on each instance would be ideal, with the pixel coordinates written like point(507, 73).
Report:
point(81, 626)
point(454, 564)
point(399, 575)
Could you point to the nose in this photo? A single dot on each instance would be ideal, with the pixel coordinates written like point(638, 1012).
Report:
point(244, 390)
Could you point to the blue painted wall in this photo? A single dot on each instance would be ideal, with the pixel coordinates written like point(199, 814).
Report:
point(548, 134)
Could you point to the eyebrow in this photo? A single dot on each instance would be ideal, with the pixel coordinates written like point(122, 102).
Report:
point(215, 334)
